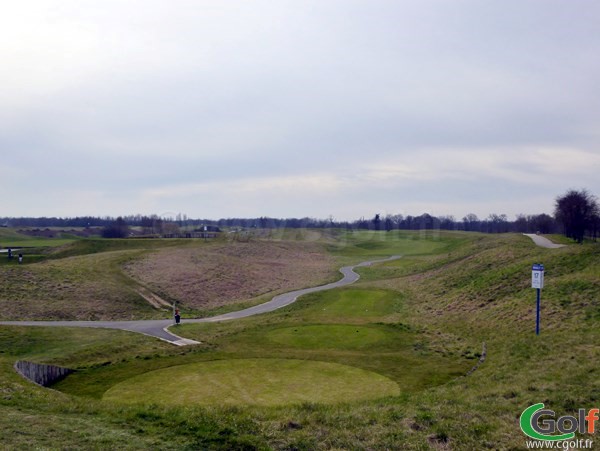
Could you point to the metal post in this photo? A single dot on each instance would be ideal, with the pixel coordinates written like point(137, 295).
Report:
point(537, 282)
point(537, 317)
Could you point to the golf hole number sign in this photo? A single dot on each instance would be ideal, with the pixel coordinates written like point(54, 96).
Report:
point(537, 276)
point(537, 281)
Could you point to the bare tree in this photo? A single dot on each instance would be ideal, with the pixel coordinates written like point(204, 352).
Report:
point(577, 211)
point(471, 222)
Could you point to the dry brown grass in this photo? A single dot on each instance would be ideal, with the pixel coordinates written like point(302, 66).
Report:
point(207, 277)
point(89, 287)
point(135, 284)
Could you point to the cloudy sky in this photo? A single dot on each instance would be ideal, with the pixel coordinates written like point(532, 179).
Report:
point(297, 107)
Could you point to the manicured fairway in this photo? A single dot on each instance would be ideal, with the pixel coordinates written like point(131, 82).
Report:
point(266, 382)
point(358, 303)
point(331, 336)
point(348, 305)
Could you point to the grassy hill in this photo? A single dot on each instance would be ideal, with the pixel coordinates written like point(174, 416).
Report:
point(96, 279)
point(417, 324)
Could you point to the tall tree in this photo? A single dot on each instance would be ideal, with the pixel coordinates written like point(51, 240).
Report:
point(377, 222)
point(577, 211)
point(471, 222)
point(116, 229)
point(542, 223)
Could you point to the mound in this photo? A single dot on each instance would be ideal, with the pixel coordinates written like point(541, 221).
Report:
point(266, 382)
point(206, 277)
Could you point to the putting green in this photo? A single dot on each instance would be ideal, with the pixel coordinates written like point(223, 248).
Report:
point(266, 382)
point(330, 336)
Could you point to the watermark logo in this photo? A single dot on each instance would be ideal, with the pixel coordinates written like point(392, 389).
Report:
point(541, 424)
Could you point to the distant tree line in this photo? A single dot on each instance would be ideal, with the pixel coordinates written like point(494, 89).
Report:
point(494, 223)
point(96, 221)
point(44, 221)
point(157, 224)
point(576, 215)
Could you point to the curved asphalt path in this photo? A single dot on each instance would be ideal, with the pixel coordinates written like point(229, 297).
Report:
point(158, 328)
point(543, 241)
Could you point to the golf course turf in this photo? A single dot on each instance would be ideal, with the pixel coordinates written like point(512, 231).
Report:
point(336, 336)
point(264, 382)
point(421, 322)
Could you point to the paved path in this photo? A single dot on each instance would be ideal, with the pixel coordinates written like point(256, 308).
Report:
point(158, 328)
point(543, 241)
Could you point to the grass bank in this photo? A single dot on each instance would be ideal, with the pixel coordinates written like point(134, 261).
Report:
point(421, 321)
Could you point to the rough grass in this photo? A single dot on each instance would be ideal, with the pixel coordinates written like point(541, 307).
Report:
point(204, 278)
point(88, 287)
point(93, 279)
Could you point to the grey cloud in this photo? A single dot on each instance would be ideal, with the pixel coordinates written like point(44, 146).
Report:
point(181, 93)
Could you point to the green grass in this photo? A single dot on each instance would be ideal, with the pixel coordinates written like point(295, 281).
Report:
point(34, 249)
point(361, 245)
point(11, 238)
point(318, 327)
point(430, 312)
point(330, 336)
point(76, 347)
point(36, 242)
point(264, 382)
point(316, 332)
point(351, 304)
point(30, 256)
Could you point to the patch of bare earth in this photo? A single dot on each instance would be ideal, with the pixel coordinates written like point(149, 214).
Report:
point(207, 277)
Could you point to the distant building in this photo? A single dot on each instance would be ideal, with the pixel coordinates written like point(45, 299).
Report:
point(208, 228)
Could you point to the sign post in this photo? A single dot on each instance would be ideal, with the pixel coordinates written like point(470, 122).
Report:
point(537, 282)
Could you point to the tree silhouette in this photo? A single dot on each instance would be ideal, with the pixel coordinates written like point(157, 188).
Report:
point(577, 211)
point(116, 229)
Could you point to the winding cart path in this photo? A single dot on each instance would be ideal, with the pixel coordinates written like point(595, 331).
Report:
point(159, 328)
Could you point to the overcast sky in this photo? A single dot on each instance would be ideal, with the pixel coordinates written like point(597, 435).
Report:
point(297, 108)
